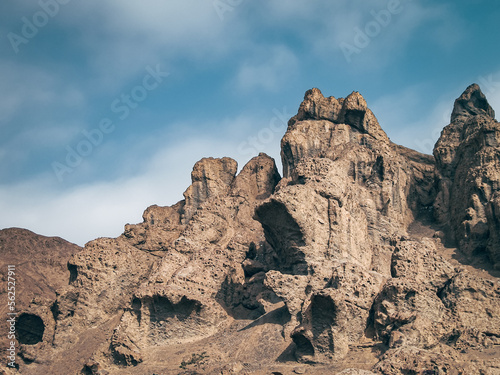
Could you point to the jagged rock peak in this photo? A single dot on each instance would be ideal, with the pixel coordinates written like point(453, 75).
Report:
point(467, 155)
point(210, 177)
point(472, 102)
point(213, 177)
point(223, 169)
point(353, 111)
point(316, 107)
point(327, 127)
point(258, 178)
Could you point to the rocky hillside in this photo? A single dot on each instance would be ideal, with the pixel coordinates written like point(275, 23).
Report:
point(364, 258)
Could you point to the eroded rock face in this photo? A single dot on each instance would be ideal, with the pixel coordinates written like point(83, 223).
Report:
point(468, 162)
point(475, 303)
point(335, 314)
point(323, 127)
point(174, 278)
point(344, 201)
point(325, 266)
point(161, 226)
point(348, 197)
point(408, 311)
point(188, 295)
point(39, 273)
point(210, 178)
point(430, 311)
point(411, 360)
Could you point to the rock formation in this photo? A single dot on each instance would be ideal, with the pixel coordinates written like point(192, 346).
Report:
point(338, 267)
point(41, 272)
point(468, 164)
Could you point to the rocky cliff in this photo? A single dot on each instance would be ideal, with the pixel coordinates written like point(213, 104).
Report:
point(364, 258)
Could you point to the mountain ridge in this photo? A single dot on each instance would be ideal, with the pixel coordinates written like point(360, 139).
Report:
point(346, 264)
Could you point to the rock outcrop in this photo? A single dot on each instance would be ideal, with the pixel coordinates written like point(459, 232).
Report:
point(172, 278)
point(468, 162)
point(339, 265)
point(347, 198)
point(39, 275)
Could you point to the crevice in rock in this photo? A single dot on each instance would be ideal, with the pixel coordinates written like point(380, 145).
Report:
point(355, 118)
point(323, 314)
point(441, 291)
point(54, 309)
point(73, 272)
point(161, 309)
point(284, 235)
point(123, 355)
point(30, 329)
point(303, 345)
point(136, 308)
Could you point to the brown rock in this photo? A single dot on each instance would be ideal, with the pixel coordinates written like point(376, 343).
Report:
point(161, 226)
point(472, 102)
point(39, 274)
point(344, 202)
point(467, 156)
point(475, 302)
point(257, 179)
point(336, 315)
point(352, 371)
point(337, 264)
point(210, 178)
point(191, 290)
point(316, 107)
point(419, 261)
point(406, 313)
point(411, 360)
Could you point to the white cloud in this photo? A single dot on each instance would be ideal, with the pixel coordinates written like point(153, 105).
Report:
point(122, 37)
point(37, 112)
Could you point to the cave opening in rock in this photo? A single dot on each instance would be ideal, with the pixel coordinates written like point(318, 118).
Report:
point(303, 346)
point(73, 273)
point(161, 309)
point(30, 329)
point(323, 313)
point(284, 235)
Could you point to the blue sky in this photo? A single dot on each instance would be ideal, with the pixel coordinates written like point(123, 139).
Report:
point(106, 106)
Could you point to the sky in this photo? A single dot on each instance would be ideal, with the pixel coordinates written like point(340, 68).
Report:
point(105, 106)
